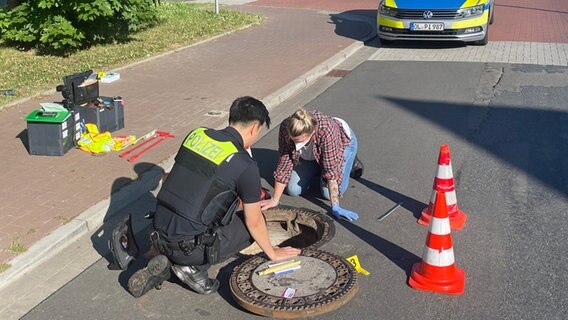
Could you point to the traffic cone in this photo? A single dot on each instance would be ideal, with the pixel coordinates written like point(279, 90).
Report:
point(444, 182)
point(438, 272)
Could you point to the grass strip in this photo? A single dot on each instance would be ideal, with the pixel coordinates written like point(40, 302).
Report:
point(181, 24)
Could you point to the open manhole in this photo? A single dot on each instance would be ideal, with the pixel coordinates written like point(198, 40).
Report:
point(324, 282)
point(296, 227)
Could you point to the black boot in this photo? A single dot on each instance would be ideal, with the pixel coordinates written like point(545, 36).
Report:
point(357, 169)
point(195, 279)
point(157, 271)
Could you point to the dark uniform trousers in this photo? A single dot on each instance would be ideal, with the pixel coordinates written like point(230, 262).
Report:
point(234, 237)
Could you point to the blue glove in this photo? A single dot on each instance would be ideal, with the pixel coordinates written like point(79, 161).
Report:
point(339, 212)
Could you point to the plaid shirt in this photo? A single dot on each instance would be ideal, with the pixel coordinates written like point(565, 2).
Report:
point(329, 145)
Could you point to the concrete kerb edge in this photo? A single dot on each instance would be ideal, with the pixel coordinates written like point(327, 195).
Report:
point(310, 77)
point(92, 218)
point(53, 91)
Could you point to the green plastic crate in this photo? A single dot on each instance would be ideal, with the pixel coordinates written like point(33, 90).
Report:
point(49, 133)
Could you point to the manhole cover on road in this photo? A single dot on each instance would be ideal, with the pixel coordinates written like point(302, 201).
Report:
point(324, 283)
point(296, 227)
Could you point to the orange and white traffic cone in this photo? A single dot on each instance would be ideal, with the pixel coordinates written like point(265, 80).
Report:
point(444, 182)
point(438, 272)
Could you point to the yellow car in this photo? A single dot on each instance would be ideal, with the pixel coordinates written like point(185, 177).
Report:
point(442, 20)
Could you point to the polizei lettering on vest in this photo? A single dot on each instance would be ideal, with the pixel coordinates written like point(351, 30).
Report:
point(209, 149)
point(205, 148)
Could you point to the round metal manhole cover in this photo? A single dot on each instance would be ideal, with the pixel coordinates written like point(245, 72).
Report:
point(324, 283)
point(296, 227)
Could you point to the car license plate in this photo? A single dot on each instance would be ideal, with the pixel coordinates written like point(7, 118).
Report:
point(416, 26)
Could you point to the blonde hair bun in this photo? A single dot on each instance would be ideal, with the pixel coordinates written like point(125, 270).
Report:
point(301, 114)
point(301, 122)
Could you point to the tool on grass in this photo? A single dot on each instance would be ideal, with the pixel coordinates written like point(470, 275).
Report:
point(8, 92)
point(148, 136)
point(391, 210)
point(160, 136)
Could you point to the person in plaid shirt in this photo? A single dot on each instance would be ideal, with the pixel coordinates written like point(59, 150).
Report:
point(313, 145)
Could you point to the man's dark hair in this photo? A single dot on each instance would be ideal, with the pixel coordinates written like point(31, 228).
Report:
point(248, 109)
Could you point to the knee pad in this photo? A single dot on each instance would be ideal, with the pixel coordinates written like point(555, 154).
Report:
point(122, 244)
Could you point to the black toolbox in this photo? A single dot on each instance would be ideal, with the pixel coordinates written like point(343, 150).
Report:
point(107, 113)
point(81, 95)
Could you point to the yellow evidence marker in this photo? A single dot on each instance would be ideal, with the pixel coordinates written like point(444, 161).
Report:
point(354, 260)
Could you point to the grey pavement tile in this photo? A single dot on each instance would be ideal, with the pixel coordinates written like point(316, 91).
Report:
point(14, 292)
point(504, 52)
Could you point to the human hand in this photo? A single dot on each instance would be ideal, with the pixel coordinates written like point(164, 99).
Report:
point(284, 253)
point(268, 203)
point(338, 212)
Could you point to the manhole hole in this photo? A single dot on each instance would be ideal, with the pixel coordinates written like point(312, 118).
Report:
point(324, 283)
point(296, 227)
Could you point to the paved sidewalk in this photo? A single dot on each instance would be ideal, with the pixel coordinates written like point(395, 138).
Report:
point(550, 54)
point(173, 93)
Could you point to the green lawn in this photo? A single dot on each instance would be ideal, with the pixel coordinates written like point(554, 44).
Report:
point(182, 24)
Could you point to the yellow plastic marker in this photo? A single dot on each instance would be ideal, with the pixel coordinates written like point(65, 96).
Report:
point(279, 267)
point(354, 260)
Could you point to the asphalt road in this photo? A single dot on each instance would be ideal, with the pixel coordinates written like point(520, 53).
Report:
point(506, 127)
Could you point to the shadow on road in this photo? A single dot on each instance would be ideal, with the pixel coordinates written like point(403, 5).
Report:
point(116, 212)
point(422, 45)
point(408, 203)
point(360, 24)
point(354, 24)
point(531, 140)
point(266, 160)
point(403, 258)
point(224, 277)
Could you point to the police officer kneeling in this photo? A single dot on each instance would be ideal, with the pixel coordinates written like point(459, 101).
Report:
point(196, 220)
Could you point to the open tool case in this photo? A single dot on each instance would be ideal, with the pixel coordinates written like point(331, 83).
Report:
point(81, 96)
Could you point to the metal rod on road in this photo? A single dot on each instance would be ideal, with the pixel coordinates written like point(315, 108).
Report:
point(391, 210)
point(216, 6)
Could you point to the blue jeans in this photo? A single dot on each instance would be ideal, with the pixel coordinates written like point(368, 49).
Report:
point(306, 172)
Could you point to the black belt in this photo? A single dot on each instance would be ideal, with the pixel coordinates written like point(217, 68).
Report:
point(185, 246)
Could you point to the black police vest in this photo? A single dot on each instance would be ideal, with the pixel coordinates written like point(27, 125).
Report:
point(193, 189)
